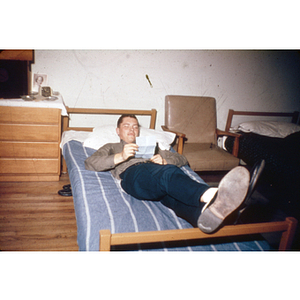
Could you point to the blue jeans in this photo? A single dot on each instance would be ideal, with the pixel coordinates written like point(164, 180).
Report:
point(167, 184)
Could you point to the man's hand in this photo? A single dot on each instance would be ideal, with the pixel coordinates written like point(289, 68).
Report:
point(129, 150)
point(157, 159)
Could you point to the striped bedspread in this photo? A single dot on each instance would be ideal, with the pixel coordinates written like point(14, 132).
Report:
point(100, 203)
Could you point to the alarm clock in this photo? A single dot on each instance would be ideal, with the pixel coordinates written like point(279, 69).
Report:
point(46, 91)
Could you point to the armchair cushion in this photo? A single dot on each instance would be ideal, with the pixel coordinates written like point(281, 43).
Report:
point(207, 157)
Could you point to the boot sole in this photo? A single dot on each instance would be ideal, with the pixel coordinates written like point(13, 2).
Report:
point(231, 193)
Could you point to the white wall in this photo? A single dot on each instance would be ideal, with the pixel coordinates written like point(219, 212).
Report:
point(242, 80)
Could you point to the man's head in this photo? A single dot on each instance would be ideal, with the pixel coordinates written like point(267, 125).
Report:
point(128, 128)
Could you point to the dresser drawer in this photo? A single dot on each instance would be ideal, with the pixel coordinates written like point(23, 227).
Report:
point(30, 166)
point(29, 150)
point(13, 132)
point(33, 115)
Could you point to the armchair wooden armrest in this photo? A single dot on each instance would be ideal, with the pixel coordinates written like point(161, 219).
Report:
point(180, 136)
point(236, 142)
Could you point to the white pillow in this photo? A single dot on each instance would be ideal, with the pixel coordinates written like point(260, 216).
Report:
point(102, 135)
point(267, 128)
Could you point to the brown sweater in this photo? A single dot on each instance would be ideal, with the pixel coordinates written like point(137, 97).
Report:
point(103, 159)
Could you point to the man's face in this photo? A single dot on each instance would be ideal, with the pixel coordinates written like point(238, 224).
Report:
point(128, 130)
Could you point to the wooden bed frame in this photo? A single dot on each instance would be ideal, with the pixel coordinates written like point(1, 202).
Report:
point(231, 113)
point(294, 115)
point(287, 227)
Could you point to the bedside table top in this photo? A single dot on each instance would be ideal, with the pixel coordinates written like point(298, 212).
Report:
point(59, 103)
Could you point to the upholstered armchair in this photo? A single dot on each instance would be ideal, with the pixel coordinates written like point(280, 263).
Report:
point(194, 121)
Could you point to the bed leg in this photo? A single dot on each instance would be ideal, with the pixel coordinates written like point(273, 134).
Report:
point(65, 125)
point(236, 144)
point(64, 166)
point(288, 235)
point(105, 237)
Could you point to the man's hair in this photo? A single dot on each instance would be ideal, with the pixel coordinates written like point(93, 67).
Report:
point(126, 116)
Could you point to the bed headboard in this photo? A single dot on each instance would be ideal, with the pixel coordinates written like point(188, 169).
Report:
point(294, 115)
point(100, 111)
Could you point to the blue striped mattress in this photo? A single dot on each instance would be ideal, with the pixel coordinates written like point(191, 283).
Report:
point(100, 203)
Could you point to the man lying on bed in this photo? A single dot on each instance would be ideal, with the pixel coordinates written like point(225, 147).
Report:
point(161, 179)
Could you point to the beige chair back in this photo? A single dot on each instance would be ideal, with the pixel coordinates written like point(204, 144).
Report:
point(195, 116)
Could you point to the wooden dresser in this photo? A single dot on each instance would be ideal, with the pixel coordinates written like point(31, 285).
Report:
point(30, 143)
